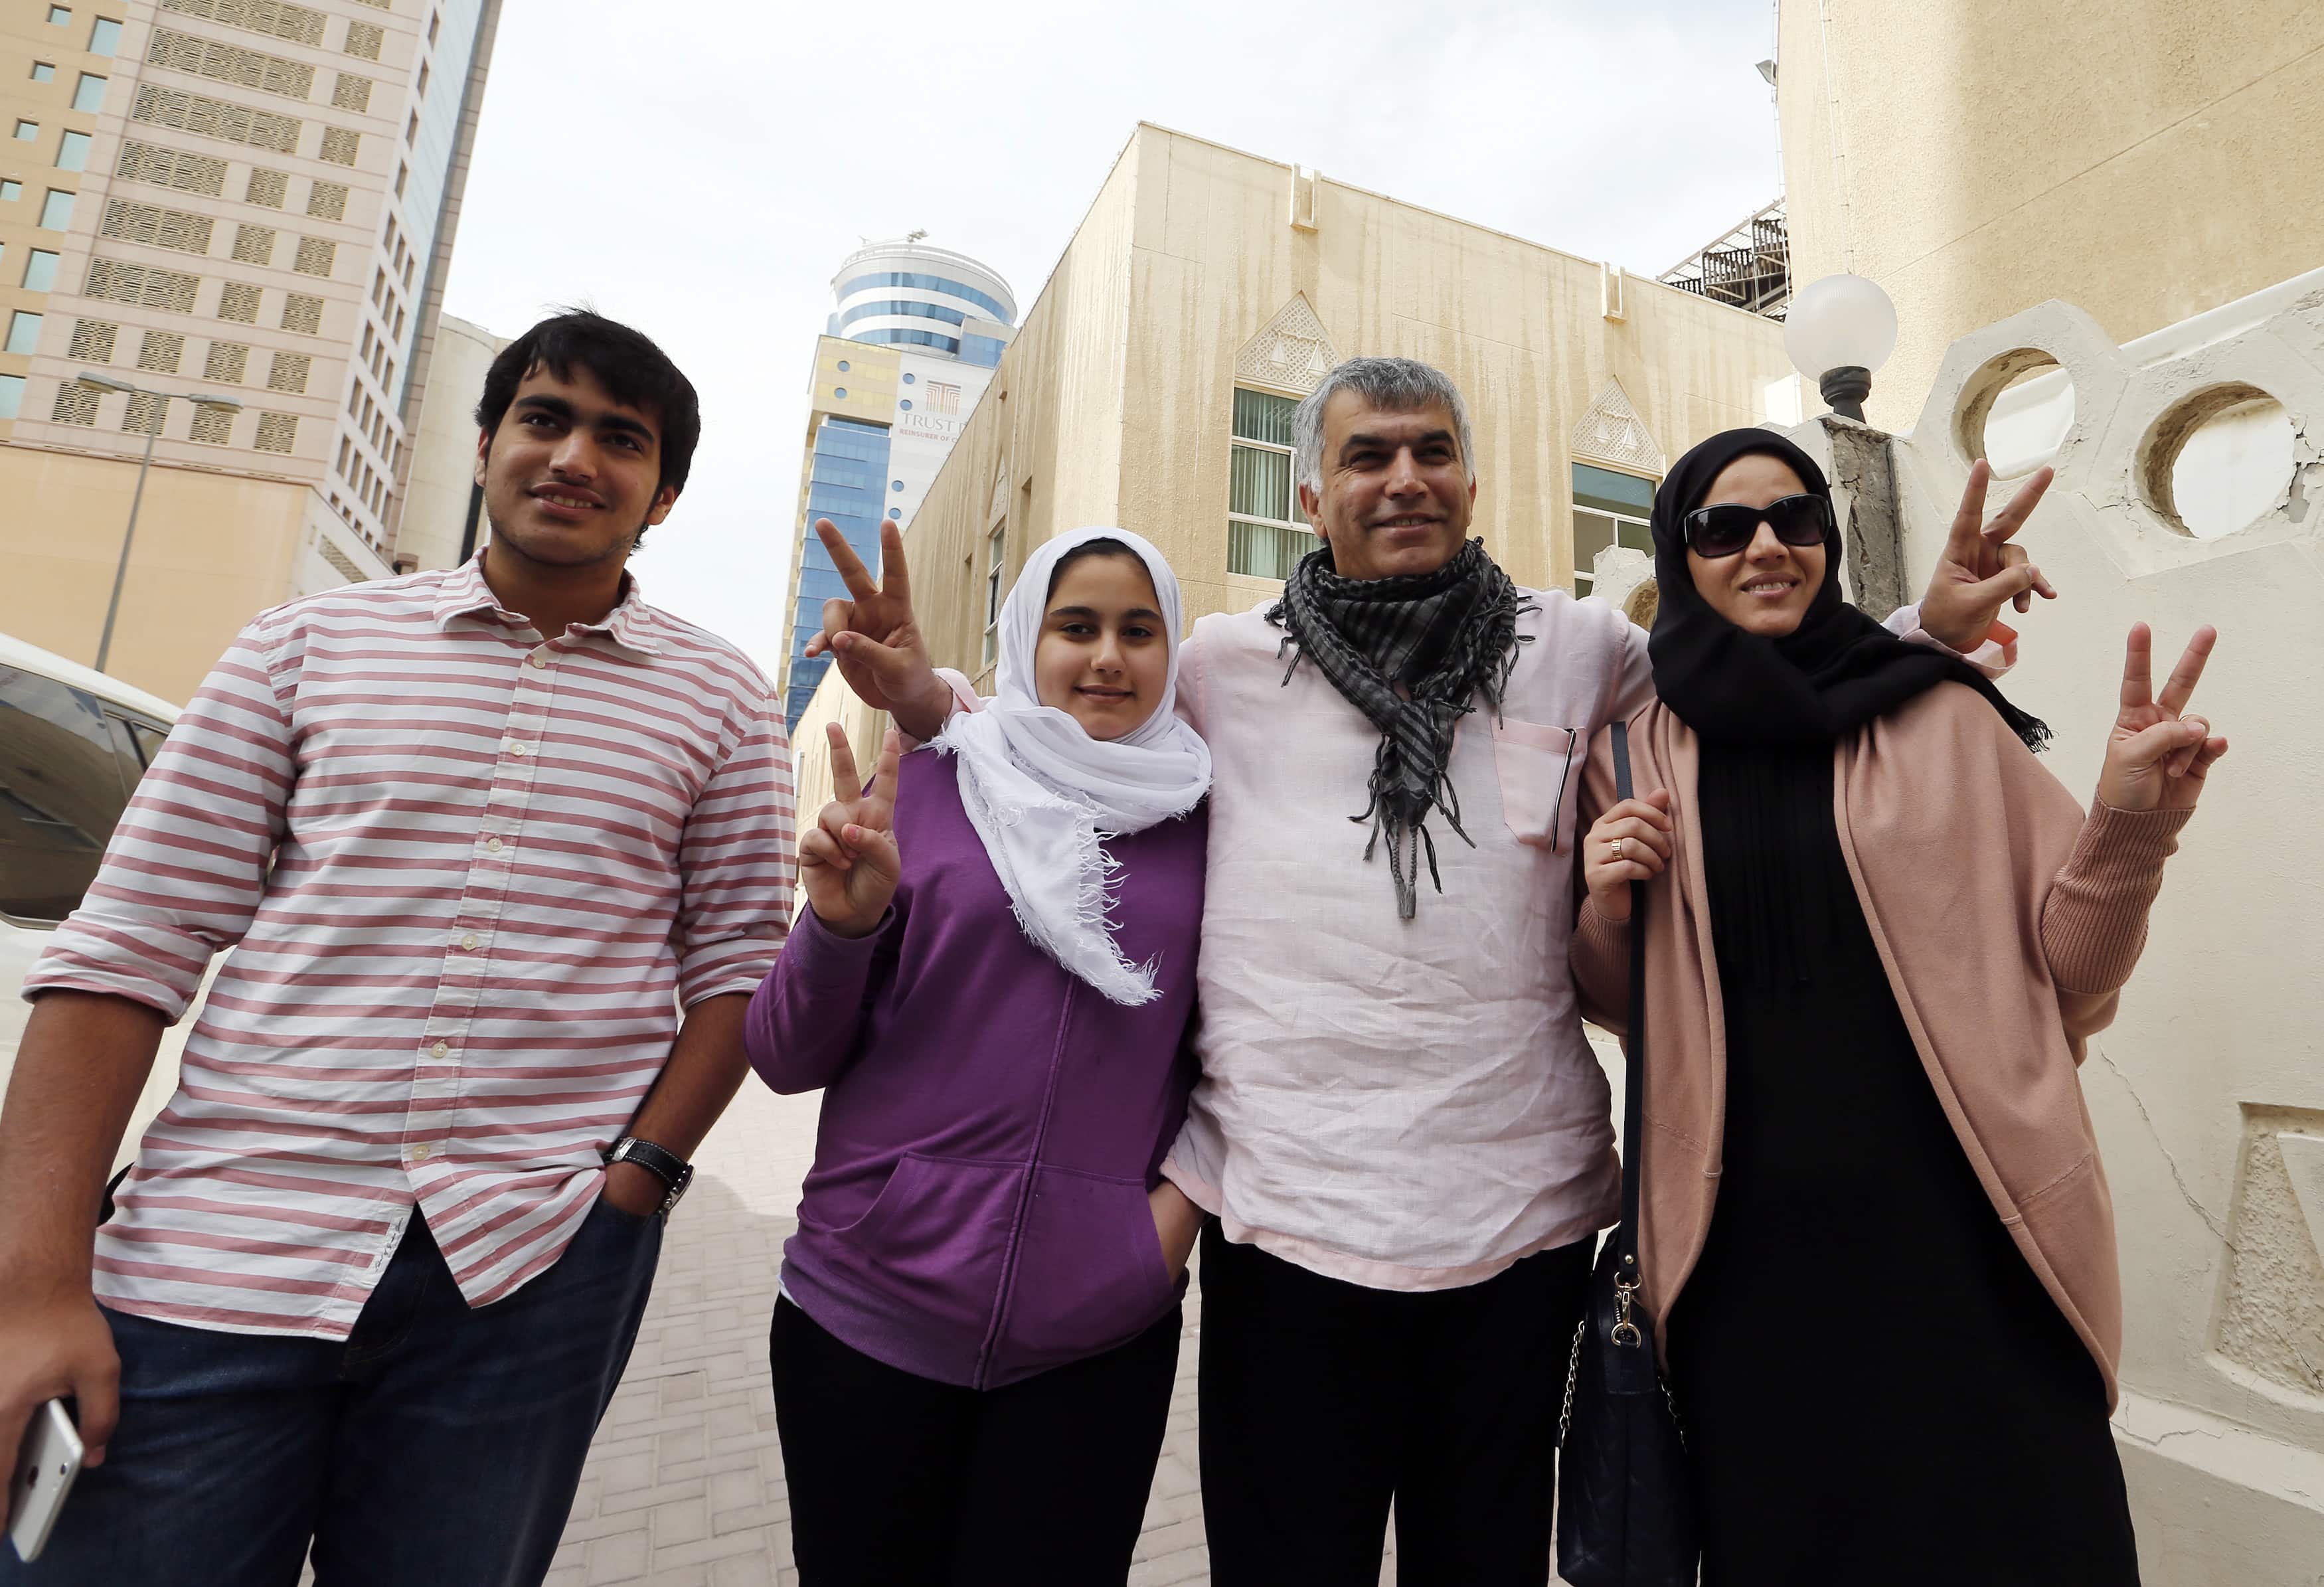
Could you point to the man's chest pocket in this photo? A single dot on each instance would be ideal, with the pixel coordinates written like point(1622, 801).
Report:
point(1540, 778)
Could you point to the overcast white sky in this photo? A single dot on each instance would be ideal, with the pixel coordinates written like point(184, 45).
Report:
point(698, 168)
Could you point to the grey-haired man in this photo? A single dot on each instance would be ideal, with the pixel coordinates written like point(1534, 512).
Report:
point(1400, 1136)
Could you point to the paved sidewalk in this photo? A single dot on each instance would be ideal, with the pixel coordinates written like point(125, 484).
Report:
point(684, 1483)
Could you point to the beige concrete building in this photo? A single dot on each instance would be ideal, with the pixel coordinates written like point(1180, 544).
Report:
point(253, 198)
point(2144, 159)
point(442, 519)
point(1207, 291)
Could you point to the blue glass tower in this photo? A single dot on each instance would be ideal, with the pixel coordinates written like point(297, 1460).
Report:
point(847, 486)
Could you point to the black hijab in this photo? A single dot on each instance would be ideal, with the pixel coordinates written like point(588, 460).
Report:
point(1767, 711)
point(1835, 672)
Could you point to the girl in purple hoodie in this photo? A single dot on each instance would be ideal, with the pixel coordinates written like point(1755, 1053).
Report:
point(978, 1330)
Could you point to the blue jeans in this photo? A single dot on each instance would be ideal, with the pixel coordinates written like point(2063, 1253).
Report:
point(439, 1443)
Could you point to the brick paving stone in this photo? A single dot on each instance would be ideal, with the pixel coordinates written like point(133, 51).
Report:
point(684, 1483)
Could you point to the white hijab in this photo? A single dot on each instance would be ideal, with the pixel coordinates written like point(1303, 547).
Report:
point(1044, 795)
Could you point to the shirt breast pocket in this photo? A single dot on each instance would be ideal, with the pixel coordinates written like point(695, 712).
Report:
point(1540, 782)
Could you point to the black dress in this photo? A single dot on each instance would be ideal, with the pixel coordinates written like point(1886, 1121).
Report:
point(1876, 1388)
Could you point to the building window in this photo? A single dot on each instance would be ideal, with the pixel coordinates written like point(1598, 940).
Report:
point(327, 201)
point(402, 175)
point(212, 427)
point(189, 173)
point(26, 131)
point(267, 188)
point(289, 373)
point(128, 221)
point(56, 210)
point(896, 484)
point(12, 395)
point(254, 244)
point(996, 558)
point(10, 192)
point(144, 413)
point(896, 513)
point(906, 404)
point(88, 94)
point(1265, 533)
point(339, 145)
point(23, 332)
point(302, 313)
point(72, 152)
point(908, 379)
point(41, 271)
point(277, 433)
point(239, 301)
point(59, 16)
point(842, 366)
point(161, 352)
point(76, 405)
point(104, 37)
point(316, 256)
point(119, 282)
point(1610, 509)
point(352, 92)
point(231, 63)
point(363, 40)
point(839, 391)
point(45, 71)
point(228, 362)
point(92, 341)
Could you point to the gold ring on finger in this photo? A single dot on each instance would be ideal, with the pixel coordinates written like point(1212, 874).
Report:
point(1618, 848)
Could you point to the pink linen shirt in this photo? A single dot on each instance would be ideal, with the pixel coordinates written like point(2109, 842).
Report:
point(1404, 1104)
point(466, 876)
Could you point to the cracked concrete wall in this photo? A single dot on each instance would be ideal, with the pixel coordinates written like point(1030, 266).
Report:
point(2207, 1093)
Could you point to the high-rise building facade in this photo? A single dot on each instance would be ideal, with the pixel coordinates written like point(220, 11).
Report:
point(255, 199)
point(912, 343)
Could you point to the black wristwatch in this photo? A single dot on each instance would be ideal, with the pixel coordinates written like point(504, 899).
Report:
point(662, 1163)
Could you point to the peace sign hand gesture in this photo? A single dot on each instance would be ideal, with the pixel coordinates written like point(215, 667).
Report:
point(848, 861)
point(1981, 571)
point(2156, 758)
point(875, 638)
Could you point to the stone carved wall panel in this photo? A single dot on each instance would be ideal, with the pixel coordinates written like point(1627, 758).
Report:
point(1292, 352)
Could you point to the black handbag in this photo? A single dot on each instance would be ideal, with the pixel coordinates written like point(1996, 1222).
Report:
point(1625, 1504)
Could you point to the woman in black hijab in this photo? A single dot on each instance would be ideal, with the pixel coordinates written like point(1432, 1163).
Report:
point(1875, 1384)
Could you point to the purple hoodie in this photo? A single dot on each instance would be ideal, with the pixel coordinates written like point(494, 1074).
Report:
point(990, 1124)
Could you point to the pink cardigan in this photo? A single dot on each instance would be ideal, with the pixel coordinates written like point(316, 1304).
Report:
point(2009, 923)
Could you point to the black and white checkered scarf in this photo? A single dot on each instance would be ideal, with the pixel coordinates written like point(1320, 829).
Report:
point(1446, 637)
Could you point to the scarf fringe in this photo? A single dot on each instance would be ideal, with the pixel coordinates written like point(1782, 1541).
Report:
point(1096, 897)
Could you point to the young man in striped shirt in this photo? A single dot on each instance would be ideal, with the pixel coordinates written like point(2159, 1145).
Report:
point(472, 836)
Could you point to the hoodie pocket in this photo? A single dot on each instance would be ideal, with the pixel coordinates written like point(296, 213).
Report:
point(1090, 1271)
point(934, 1239)
point(1540, 776)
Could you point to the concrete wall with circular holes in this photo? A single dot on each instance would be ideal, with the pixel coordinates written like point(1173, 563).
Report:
point(2207, 1093)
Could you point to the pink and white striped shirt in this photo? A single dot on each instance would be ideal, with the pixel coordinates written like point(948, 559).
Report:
point(461, 872)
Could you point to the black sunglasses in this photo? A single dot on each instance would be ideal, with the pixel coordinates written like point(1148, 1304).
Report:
point(1726, 528)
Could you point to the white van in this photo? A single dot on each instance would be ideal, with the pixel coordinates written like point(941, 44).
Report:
point(73, 743)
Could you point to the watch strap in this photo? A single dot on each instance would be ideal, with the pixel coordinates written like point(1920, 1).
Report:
point(662, 1163)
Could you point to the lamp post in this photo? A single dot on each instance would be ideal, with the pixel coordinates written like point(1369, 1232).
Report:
point(1838, 331)
point(106, 383)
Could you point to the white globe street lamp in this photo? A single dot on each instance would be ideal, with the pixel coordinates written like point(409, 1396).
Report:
point(1839, 330)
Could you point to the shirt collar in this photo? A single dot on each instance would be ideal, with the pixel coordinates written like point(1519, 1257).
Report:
point(630, 624)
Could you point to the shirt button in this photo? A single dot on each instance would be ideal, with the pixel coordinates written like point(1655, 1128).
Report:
point(442, 1049)
point(536, 659)
point(418, 1154)
point(469, 943)
point(494, 844)
point(516, 749)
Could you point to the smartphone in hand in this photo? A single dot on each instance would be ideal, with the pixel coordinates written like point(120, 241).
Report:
point(46, 1464)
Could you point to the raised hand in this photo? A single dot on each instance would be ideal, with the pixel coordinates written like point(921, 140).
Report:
point(848, 861)
point(874, 637)
point(1629, 843)
point(2156, 758)
point(1981, 571)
